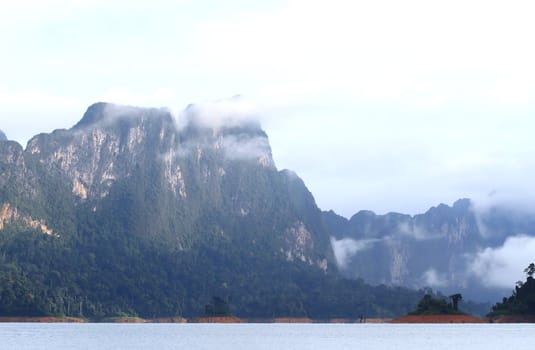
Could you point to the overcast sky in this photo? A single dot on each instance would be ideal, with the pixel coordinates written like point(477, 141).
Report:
point(381, 105)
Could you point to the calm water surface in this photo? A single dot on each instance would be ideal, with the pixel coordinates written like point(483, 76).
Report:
point(266, 336)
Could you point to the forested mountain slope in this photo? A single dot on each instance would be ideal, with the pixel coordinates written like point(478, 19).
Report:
point(133, 212)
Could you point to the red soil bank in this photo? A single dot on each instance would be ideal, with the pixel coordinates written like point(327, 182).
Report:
point(438, 319)
point(215, 320)
point(292, 320)
point(168, 320)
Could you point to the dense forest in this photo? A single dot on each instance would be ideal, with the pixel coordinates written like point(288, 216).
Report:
point(114, 276)
point(522, 301)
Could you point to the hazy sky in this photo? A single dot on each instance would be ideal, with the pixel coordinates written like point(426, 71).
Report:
point(381, 105)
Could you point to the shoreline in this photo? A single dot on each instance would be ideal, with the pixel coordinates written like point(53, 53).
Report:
point(231, 319)
point(42, 319)
point(409, 319)
point(439, 319)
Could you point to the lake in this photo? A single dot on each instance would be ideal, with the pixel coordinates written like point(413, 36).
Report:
point(266, 336)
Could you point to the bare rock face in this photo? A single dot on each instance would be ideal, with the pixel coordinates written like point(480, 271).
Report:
point(111, 141)
point(108, 143)
point(22, 201)
point(17, 179)
point(9, 215)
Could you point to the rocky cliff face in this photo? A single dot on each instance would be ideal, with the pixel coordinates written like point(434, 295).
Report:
point(20, 190)
point(106, 145)
point(9, 215)
point(180, 183)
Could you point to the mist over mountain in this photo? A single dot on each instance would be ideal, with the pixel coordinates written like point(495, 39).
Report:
point(478, 251)
point(134, 211)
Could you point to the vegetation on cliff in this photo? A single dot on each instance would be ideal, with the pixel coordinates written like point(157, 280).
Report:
point(113, 275)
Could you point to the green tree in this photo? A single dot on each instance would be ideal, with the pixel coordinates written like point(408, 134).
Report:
point(455, 298)
point(430, 305)
point(522, 301)
point(530, 270)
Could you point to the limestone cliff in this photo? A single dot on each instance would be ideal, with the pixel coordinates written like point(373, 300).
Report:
point(10, 215)
point(177, 183)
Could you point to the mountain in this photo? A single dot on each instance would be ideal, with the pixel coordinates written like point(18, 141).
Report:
point(456, 248)
point(135, 212)
point(3, 136)
point(223, 180)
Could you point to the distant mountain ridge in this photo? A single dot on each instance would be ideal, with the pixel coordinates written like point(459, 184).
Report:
point(437, 249)
point(3, 136)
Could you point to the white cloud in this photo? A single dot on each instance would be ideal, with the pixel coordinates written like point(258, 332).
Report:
point(346, 248)
point(514, 91)
point(378, 50)
point(503, 266)
point(416, 232)
point(431, 278)
point(246, 148)
point(516, 198)
point(232, 112)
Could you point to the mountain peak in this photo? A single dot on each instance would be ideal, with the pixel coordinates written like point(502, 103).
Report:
point(3, 136)
point(104, 113)
point(94, 114)
point(364, 214)
point(462, 204)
